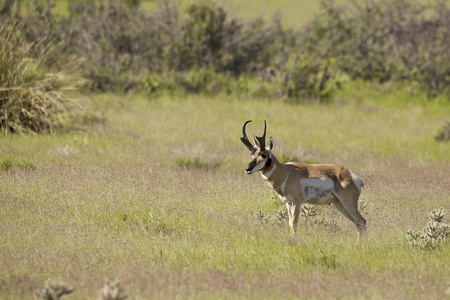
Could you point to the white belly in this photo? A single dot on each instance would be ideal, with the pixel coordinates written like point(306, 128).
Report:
point(318, 191)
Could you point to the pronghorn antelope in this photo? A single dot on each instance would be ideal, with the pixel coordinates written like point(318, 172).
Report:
point(297, 183)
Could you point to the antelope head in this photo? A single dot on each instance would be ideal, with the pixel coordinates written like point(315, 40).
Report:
point(261, 155)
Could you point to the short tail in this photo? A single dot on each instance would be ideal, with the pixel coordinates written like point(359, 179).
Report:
point(357, 181)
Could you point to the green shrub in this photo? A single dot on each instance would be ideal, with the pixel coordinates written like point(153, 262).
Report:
point(203, 80)
point(25, 163)
point(155, 84)
point(433, 235)
point(204, 48)
point(6, 163)
point(112, 41)
point(405, 41)
point(54, 290)
point(196, 162)
point(444, 133)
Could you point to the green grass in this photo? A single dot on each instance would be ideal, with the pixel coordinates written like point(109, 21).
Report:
point(155, 195)
point(8, 163)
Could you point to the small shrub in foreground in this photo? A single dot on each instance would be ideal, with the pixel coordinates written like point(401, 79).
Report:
point(444, 133)
point(434, 234)
point(6, 163)
point(54, 290)
point(23, 163)
point(196, 162)
point(111, 291)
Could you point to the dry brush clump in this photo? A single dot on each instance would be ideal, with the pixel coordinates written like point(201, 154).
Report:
point(111, 291)
point(55, 290)
point(32, 96)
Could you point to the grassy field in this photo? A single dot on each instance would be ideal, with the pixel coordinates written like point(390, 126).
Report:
point(153, 193)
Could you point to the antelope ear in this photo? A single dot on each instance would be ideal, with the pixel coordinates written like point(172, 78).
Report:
point(271, 144)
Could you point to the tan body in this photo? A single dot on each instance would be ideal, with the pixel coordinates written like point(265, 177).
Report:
point(297, 183)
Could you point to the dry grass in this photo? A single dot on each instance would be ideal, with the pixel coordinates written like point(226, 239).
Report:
point(33, 98)
point(112, 202)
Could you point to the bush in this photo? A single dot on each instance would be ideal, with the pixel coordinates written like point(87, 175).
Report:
point(54, 290)
point(32, 97)
point(120, 44)
point(121, 47)
point(382, 40)
point(6, 163)
point(444, 133)
point(433, 235)
point(112, 42)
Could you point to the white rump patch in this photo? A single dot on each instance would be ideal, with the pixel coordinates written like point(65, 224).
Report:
point(357, 181)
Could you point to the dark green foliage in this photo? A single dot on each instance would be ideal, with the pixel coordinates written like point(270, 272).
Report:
point(23, 163)
point(197, 162)
point(120, 47)
point(6, 163)
point(444, 133)
point(405, 41)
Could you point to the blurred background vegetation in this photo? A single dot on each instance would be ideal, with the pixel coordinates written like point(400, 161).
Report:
point(49, 48)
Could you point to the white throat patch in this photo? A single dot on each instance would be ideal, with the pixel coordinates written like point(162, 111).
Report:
point(268, 174)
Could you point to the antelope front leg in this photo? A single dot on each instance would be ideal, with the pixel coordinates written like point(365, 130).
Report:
point(294, 212)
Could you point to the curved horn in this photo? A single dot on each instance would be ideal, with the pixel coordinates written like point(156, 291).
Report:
point(262, 139)
point(244, 138)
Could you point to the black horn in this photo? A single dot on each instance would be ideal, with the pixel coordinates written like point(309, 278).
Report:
point(244, 138)
point(262, 139)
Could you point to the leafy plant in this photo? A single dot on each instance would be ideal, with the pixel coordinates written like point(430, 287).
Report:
point(308, 210)
point(196, 162)
point(6, 163)
point(23, 163)
point(444, 133)
point(54, 290)
point(434, 234)
point(111, 291)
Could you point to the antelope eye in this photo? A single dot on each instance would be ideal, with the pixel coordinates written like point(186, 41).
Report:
point(264, 155)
